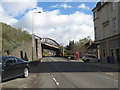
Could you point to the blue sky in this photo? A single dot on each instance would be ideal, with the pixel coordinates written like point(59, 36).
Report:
point(47, 6)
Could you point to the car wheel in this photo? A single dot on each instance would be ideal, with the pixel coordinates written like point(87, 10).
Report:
point(87, 60)
point(26, 73)
point(98, 61)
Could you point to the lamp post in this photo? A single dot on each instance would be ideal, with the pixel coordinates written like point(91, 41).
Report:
point(33, 34)
point(63, 51)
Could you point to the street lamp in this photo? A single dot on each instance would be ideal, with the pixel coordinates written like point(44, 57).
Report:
point(33, 34)
point(63, 51)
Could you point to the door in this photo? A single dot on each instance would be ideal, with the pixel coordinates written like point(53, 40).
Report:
point(20, 66)
point(10, 68)
point(117, 55)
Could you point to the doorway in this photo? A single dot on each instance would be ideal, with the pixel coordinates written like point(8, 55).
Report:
point(21, 54)
point(117, 55)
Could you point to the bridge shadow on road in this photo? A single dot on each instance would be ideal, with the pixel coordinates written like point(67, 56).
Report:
point(47, 67)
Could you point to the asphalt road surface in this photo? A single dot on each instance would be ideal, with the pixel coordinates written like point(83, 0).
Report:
point(54, 72)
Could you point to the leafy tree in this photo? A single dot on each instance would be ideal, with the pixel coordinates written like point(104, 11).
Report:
point(80, 46)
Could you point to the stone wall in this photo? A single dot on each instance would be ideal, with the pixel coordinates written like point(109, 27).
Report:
point(24, 51)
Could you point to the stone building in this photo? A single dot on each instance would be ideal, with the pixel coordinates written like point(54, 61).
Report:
point(107, 30)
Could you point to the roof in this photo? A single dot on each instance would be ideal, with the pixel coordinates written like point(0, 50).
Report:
point(99, 5)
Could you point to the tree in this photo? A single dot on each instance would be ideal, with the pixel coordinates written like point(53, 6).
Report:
point(80, 46)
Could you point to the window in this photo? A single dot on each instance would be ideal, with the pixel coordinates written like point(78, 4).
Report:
point(113, 5)
point(114, 24)
point(10, 60)
point(18, 59)
point(95, 33)
point(95, 14)
point(104, 53)
point(112, 53)
point(105, 23)
point(21, 54)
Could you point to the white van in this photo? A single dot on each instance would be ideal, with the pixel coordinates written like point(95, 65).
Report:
point(90, 58)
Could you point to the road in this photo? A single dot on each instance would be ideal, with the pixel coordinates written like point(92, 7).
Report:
point(54, 72)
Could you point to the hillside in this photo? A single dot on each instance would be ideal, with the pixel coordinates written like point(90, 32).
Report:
point(12, 37)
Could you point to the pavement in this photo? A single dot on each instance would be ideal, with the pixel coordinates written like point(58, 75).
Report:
point(114, 66)
point(54, 72)
point(108, 65)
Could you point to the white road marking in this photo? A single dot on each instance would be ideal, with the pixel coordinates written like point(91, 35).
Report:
point(111, 79)
point(4, 83)
point(23, 86)
point(56, 81)
point(35, 82)
point(109, 73)
point(107, 77)
point(53, 59)
point(34, 76)
point(116, 80)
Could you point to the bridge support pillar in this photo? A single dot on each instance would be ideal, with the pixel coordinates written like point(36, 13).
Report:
point(42, 51)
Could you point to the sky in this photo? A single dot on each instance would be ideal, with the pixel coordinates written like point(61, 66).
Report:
point(61, 21)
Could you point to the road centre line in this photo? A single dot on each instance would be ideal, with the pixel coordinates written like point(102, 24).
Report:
point(54, 80)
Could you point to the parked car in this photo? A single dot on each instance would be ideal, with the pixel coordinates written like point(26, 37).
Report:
point(90, 58)
point(14, 67)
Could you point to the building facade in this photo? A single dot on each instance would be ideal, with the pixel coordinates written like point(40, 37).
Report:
point(107, 30)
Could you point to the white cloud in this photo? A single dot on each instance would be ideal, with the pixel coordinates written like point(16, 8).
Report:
point(65, 6)
point(62, 28)
point(10, 9)
point(5, 17)
point(17, 7)
point(83, 6)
